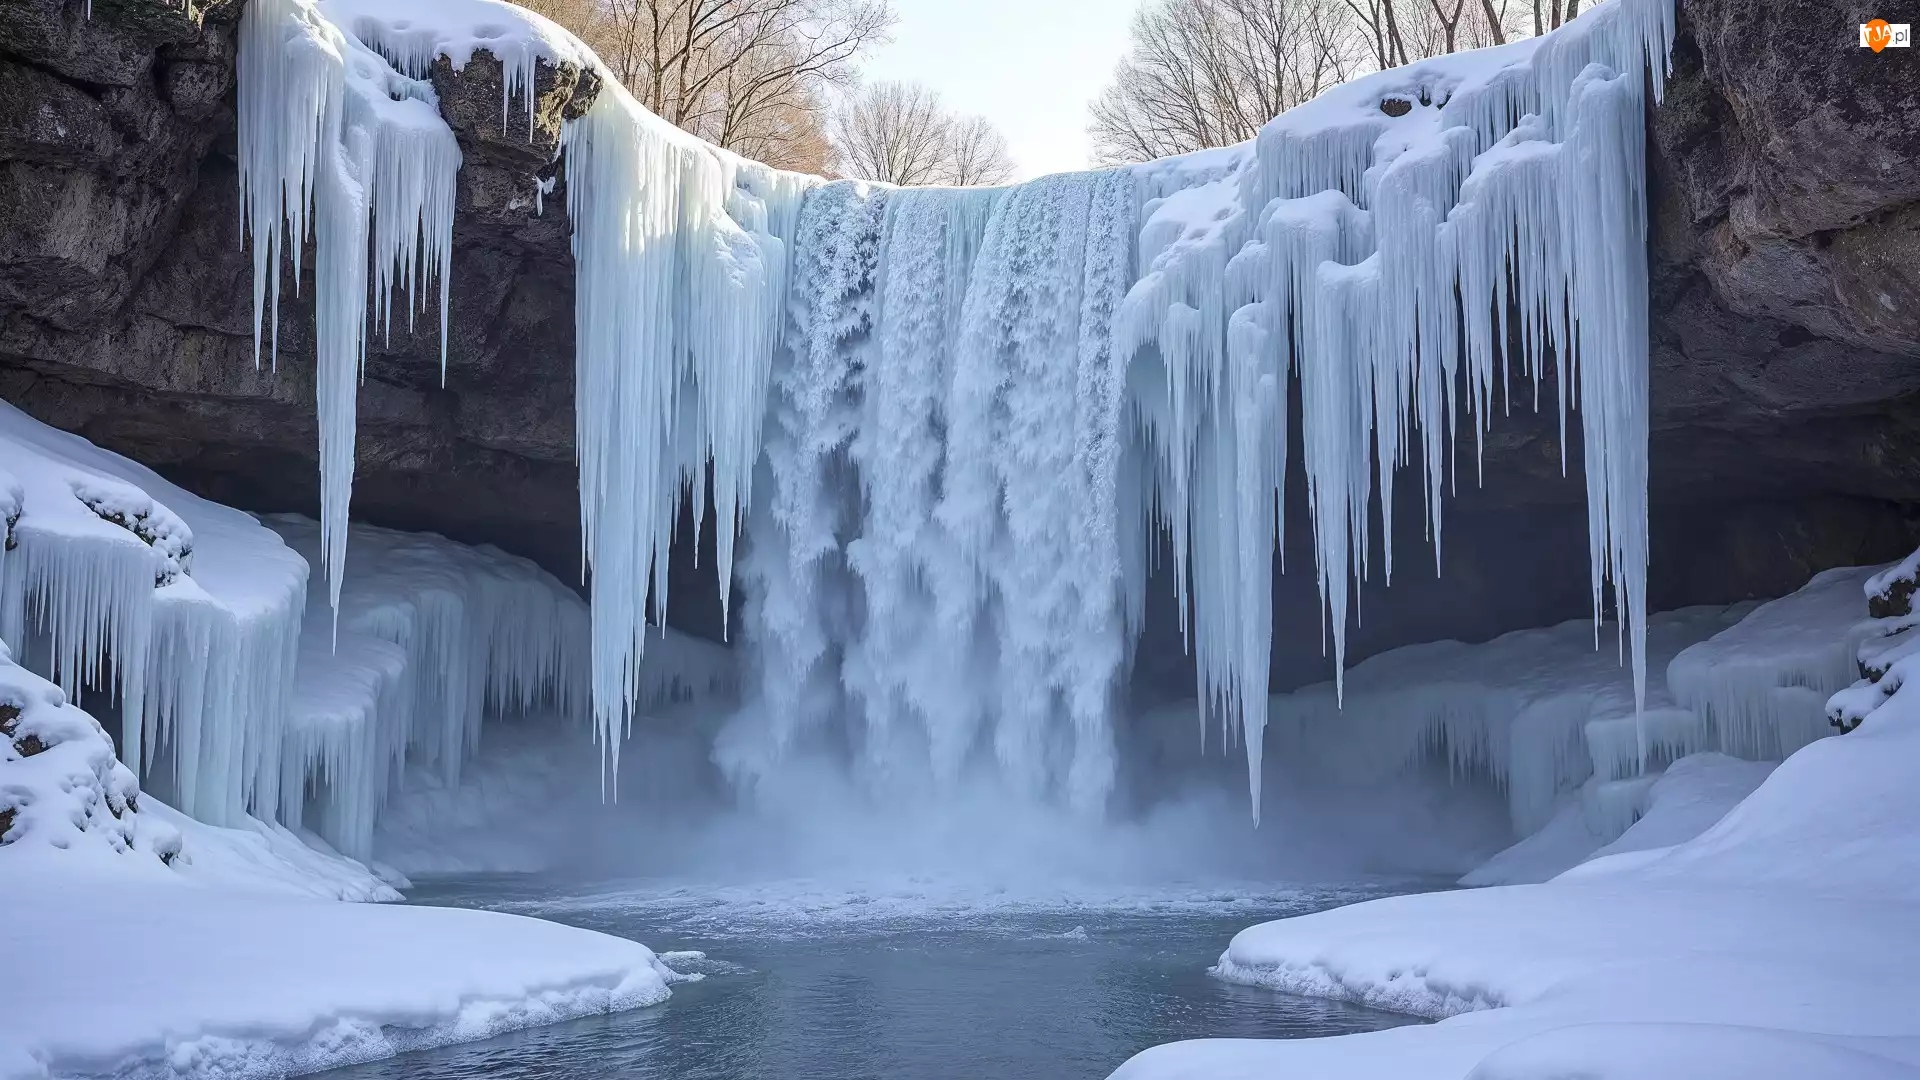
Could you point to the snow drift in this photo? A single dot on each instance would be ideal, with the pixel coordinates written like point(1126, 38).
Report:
point(1772, 941)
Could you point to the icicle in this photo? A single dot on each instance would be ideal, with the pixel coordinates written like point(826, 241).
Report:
point(333, 139)
point(972, 430)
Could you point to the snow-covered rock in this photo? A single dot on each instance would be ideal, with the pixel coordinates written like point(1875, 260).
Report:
point(61, 787)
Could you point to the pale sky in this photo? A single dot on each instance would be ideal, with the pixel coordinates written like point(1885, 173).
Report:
point(1030, 66)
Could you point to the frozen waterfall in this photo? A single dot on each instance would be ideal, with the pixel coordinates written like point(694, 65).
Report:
point(948, 425)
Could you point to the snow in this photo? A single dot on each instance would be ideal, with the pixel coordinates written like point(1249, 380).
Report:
point(1762, 686)
point(60, 785)
point(1690, 797)
point(1686, 799)
point(266, 857)
point(133, 978)
point(1777, 942)
point(153, 944)
point(79, 588)
point(974, 407)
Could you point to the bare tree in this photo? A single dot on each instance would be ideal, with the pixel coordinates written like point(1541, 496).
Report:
point(1448, 20)
point(579, 16)
point(892, 132)
point(899, 133)
point(749, 75)
point(1203, 73)
point(977, 153)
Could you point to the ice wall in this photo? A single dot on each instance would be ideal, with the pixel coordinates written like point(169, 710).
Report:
point(240, 695)
point(948, 422)
point(187, 612)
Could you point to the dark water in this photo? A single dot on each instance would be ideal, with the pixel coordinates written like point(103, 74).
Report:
point(811, 984)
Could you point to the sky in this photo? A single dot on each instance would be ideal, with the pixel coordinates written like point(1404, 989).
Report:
point(1030, 66)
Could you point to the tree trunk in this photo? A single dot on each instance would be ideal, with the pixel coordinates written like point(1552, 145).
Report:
point(1493, 23)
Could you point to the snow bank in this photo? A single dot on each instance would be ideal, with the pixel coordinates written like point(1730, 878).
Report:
point(267, 857)
point(134, 979)
point(61, 788)
point(1670, 807)
point(1778, 942)
point(1693, 795)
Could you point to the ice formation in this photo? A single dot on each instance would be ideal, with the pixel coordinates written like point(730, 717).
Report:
point(948, 422)
point(429, 639)
point(188, 612)
point(1721, 953)
point(1537, 713)
point(1761, 687)
point(249, 701)
point(337, 145)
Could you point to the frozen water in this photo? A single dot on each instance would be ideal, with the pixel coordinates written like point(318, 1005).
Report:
point(949, 422)
point(1067, 991)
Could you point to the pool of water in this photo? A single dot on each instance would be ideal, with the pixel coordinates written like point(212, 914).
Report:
point(811, 983)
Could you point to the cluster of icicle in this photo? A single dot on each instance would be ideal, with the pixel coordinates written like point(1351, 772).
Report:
point(429, 638)
point(200, 664)
point(240, 692)
point(681, 254)
point(1503, 209)
point(339, 147)
point(967, 410)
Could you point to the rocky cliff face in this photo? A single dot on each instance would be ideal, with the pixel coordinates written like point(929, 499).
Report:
point(1786, 207)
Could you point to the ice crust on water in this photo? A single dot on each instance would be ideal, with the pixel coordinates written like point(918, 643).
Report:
point(984, 402)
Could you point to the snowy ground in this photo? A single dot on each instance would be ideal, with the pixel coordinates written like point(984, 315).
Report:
point(158, 979)
point(142, 941)
point(1779, 942)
